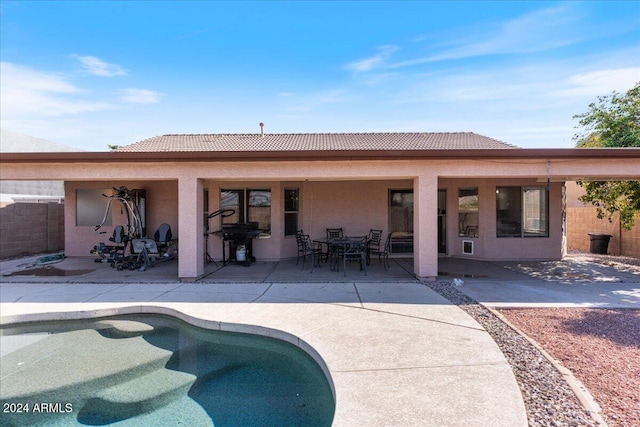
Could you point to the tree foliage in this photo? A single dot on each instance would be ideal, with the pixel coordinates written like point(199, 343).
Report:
point(612, 121)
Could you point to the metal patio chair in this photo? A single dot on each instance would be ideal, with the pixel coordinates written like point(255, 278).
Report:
point(383, 254)
point(299, 242)
point(308, 249)
point(333, 251)
point(356, 251)
point(374, 240)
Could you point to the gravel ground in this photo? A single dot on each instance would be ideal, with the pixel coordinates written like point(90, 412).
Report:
point(600, 346)
point(617, 261)
point(548, 398)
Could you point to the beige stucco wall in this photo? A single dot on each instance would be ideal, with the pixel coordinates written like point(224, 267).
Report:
point(489, 247)
point(265, 248)
point(356, 206)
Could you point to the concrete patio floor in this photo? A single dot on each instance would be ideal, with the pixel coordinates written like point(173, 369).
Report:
point(397, 353)
point(571, 282)
point(83, 269)
point(576, 281)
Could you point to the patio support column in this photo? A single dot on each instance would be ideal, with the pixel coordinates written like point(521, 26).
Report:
point(425, 226)
point(191, 229)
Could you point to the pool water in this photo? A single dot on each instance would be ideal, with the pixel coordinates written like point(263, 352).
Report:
point(156, 371)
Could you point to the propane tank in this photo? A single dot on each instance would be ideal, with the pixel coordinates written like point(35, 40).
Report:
point(241, 253)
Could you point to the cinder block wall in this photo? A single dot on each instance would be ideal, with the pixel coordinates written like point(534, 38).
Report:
point(31, 228)
point(582, 219)
point(631, 240)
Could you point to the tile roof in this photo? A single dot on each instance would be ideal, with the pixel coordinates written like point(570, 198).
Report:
point(377, 141)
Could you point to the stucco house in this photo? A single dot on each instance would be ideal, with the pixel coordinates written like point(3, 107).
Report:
point(440, 194)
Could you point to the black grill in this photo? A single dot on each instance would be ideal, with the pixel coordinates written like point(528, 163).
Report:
point(239, 234)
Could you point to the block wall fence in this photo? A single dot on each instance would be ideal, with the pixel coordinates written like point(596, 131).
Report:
point(31, 228)
point(583, 220)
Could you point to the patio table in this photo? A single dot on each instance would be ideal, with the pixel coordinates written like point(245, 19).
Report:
point(337, 246)
point(333, 243)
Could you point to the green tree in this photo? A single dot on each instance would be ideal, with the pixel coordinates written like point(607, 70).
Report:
point(612, 121)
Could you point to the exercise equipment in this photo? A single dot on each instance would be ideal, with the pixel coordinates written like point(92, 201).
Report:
point(130, 248)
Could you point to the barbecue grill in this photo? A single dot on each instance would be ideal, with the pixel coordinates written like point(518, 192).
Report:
point(239, 234)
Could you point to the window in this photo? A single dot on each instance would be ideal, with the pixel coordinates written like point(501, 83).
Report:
point(291, 210)
point(508, 211)
point(91, 206)
point(401, 220)
point(232, 199)
point(205, 213)
point(535, 215)
point(250, 205)
point(468, 212)
point(522, 212)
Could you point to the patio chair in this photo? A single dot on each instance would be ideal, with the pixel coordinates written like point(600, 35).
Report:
point(374, 240)
point(332, 250)
point(334, 233)
point(300, 243)
point(356, 251)
point(164, 239)
point(383, 254)
point(309, 250)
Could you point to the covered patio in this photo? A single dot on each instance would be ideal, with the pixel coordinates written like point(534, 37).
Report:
point(467, 195)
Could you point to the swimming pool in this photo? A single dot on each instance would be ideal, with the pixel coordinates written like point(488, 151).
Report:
point(142, 370)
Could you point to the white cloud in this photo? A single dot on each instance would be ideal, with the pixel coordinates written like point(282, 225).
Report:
point(139, 96)
point(98, 67)
point(374, 61)
point(536, 31)
point(601, 82)
point(31, 93)
point(24, 78)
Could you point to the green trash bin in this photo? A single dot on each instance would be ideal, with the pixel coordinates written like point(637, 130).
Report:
point(599, 243)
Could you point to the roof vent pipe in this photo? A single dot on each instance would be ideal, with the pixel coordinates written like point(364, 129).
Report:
point(261, 130)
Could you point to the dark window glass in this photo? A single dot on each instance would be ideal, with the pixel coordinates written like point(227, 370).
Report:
point(401, 220)
point(508, 211)
point(291, 211)
point(522, 212)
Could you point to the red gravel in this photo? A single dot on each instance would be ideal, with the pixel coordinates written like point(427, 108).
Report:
point(600, 346)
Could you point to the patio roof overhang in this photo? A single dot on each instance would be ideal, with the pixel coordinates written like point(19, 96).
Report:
point(316, 155)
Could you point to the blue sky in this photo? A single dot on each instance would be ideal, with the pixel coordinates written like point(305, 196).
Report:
point(89, 74)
